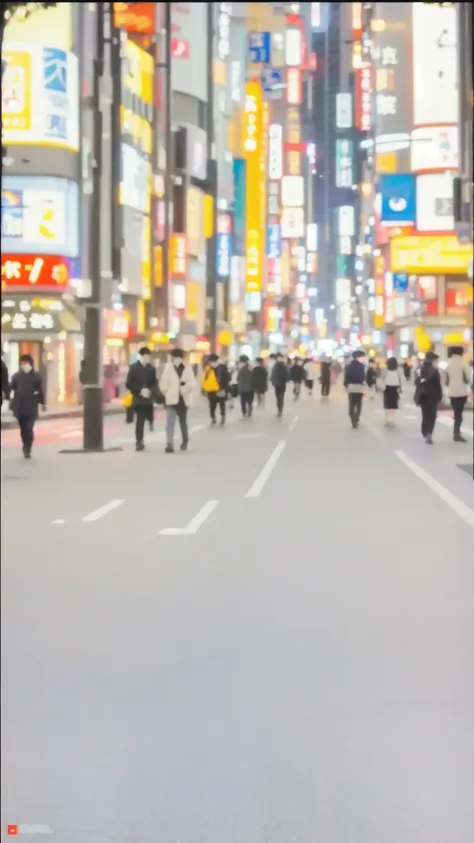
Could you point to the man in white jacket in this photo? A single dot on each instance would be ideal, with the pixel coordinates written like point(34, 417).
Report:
point(457, 377)
point(177, 385)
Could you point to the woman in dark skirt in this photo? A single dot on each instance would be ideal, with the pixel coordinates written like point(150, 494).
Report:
point(392, 387)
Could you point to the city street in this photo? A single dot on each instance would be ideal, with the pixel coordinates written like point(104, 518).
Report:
point(267, 639)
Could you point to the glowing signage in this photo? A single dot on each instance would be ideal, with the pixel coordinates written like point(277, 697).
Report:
point(135, 17)
point(292, 223)
point(223, 30)
point(293, 49)
point(292, 191)
point(363, 98)
point(178, 258)
point(275, 152)
point(435, 57)
point(424, 255)
point(253, 145)
point(344, 158)
point(294, 86)
point(35, 271)
point(434, 148)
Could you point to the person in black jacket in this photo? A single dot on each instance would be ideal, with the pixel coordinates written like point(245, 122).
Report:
point(371, 378)
point(143, 384)
point(280, 377)
point(259, 381)
point(354, 380)
point(5, 382)
point(219, 399)
point(297, 375)
point(325, 378)
point(27, 389)
point(428, 394)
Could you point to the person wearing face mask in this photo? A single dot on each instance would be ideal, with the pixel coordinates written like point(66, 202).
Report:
point(177, 386)
point(215, 384)
point(27, 389)
point(143, 385)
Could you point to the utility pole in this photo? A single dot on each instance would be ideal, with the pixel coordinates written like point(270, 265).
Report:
point(211, 253)
point(168, 176)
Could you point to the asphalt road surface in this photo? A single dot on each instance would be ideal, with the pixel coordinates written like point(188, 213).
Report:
point(268, 639)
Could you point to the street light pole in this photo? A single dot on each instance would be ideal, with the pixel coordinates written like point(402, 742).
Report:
point(211, 254)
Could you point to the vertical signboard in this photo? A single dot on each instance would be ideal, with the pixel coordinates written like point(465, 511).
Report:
point(253, 137)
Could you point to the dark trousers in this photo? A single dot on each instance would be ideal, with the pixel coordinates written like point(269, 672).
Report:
point(150, 415)
point(458, 405)
point(142, 415)
point(429, 412)
point(27, 424)
point(309, 385)
point(325, 388)
point(246, 402)
point(280, 397)
point(355, 406)
point(214, 402)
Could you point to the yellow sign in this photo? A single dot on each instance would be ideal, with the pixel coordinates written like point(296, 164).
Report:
point(208, 217)
point(192, 301)
point(386, 162)
point(47, 27)
point(194, 221)
point(16, 90)
point(429, 255)
point(146, 258)
point(158, 265)
point(253, 148)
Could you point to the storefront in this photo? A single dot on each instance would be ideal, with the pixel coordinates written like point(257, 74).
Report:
point(49, 329)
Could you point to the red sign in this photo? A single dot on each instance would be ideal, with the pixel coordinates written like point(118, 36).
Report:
point(135, 17)
point(179, 48)
point(12, 830)
point(294, 86)
point(35, 271)
point(363, 98)
point(116, 324)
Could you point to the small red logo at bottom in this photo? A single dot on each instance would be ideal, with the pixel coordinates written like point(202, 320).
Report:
point(12, 830)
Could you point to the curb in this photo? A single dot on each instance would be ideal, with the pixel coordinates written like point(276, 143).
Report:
point(75, 414)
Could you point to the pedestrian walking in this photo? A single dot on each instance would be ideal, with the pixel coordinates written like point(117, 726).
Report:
point(259, 381)
point(142, 382)
point(310, 374)
point(428, 394)
point(280, 378)
point(27, 390)
point(177, 385)
point(245, 386)
point(325, 378)
point(407, 367)
point(354, 382)
point(5, 382)
point(392, 389)
point(371, 379)
point(215, 385)
point(297, 377)
point(458, 379)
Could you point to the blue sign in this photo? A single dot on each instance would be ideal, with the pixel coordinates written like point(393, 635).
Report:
point(239, 206)
point(274, 241)
point(224, 243)
point(400, 282)
point(271, 80)
point(55, 87)
point(259, 47)
point(12, 214)
point(398, 199)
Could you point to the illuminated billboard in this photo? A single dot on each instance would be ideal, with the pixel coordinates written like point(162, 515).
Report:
point(253, 147)
point(435, 75)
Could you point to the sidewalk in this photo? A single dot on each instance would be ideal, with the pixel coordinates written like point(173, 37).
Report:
point(61, 412)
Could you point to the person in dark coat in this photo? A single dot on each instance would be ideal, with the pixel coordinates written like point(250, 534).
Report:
point(428, 394)
point(297, 376)
point(280, 378)
point(354, 382)
point(259, 380)
point(244, 384)
point(5, 382)
point(27, 389)
point(143, 384)
point(325, 378)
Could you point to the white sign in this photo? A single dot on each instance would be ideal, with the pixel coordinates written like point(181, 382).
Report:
point(365, 98)
point(435, 57)
point(292, 222)
point(293, 48)
point(312, 237)
point(292, 191)
point(223, 30)
point(236, 81)
point(346, 221)
point(434, 149)
point(275, 152)
point(343, 111)
point(343, 291)
point(434, 202)
point(38, 217)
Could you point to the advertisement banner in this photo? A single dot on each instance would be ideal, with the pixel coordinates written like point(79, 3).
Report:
point(363, 97)
point(319, 17)
point(259, 48)
point(435, 76)
point(398, 193)
point(47, 27)
point(135, 17)
point(178, 256)
point(293, 48)
point(40, 97)
point(36, 271)
point(240, 204)
point(40, 214)
point(292, 223)
point(393, 118)
point(253, 146)
point(223, 255)
point(194, 217)
point(343, 111)
point(292, 191)
point(434, 202)
point(429, 255)
point(274, 241)
point(434, 148)
point(275, 152)
point(344, 158)
point(189, 70)
point(294, 86)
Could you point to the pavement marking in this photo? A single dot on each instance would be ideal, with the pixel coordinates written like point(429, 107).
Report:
point(249, 436)
point(58, 521)
point(459, 507)
point(449, 423)
point(103, 510)
point(195, 524)
point(293, 423)
point(259, 484)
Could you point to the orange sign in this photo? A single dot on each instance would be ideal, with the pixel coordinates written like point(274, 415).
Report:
point(116, 324)
point(253, 146)
point(135, 17)
point(35, 271)
point(178, 257)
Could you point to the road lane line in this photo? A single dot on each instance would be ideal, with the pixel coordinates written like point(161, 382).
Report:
point(259, 484)
point(103, 510)
point(293, 423)
point(195, 524)
point(58, 521)
point(451, 500)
